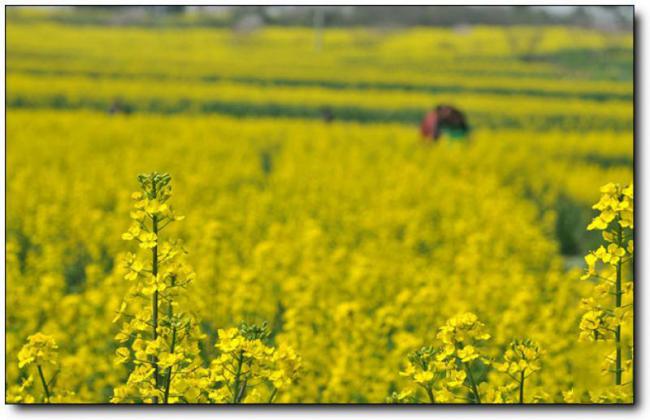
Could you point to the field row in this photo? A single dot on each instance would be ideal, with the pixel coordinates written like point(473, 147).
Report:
point(245, 99)
point(445, 86)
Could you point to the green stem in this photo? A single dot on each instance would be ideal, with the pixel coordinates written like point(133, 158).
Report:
point(235, 391)
point(170, 315)
point(154, 304)
point(44, 382)
point(273, 394)
point(242, 391)
point(430, 394)
point(521, 387)
point(477, 397)
point(619, 293)
point(168, 375)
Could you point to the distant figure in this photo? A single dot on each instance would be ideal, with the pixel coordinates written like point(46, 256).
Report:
point(117, 107)
point(443, 117)
point(327, 114)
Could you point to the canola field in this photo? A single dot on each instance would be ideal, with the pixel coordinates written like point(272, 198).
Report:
point(307, 261)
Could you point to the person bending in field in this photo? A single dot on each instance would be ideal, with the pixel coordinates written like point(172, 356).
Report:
point(443, 118)
point(117, 107)
point(326, 114)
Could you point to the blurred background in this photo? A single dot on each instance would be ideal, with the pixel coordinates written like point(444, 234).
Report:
point(610, 18)
point(518, 71)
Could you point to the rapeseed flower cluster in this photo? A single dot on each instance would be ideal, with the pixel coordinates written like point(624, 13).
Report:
point(41, 352)
point(246, 364)
point(608, 311)
point(159, 341)
point(449, 373)
point(521, 360)
point(438, 377)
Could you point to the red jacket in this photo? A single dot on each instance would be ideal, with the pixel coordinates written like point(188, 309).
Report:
point(429, 126)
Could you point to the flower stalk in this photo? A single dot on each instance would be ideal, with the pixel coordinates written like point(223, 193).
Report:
point(618, 303)
point(601, 321)
point(44, 383)
point(477, 396)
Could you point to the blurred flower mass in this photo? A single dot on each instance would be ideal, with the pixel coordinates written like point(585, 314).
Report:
point(260, 204)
